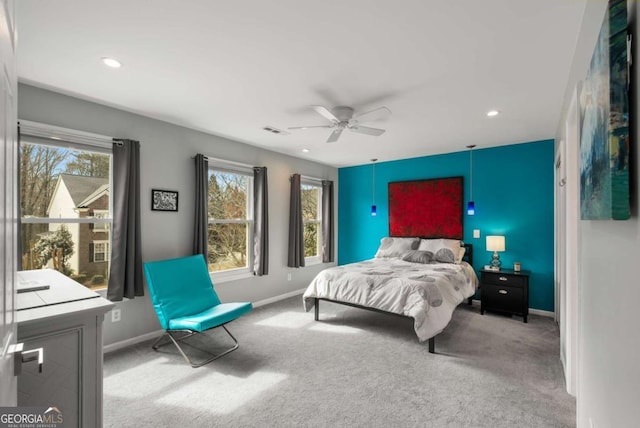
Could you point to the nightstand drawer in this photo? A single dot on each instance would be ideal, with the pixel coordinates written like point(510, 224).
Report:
point(498, 278)
point(503, 298)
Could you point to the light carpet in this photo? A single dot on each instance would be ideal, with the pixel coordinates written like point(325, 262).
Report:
point(353, 368)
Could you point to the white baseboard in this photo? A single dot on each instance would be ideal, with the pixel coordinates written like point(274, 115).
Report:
point(132, 341)
point(155, 334)
point(532, 311)
point(542, 313)
point(278, 298)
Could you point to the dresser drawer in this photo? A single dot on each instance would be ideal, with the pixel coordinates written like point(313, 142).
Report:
point(498, 278)
point(503, 298)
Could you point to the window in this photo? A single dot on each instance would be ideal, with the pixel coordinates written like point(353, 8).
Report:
point(65, 181)
point(101, 214)
point(312, 219)
point(100, 251)
point(230, 212)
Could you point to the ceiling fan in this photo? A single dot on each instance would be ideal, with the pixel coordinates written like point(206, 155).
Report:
point(342, 118)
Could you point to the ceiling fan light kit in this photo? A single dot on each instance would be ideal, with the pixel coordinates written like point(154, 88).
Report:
point(342, 117)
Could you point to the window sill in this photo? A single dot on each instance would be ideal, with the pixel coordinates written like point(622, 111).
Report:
point(312, 261)
point(218, 279)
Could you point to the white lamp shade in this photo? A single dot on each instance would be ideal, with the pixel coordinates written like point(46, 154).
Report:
point(495, 243)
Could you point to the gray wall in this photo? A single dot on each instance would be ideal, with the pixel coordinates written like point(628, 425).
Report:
point(608, 383)
point(166, 163)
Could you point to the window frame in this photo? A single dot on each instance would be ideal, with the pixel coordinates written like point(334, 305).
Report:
point(316, 183)
point(34, 133)
point(230, 167)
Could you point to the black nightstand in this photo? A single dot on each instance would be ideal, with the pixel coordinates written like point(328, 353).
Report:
point(505, 291)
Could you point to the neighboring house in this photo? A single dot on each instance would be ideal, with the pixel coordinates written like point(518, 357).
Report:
point(77, 196)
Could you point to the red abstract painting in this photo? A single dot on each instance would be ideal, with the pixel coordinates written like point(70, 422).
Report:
point(426, 208)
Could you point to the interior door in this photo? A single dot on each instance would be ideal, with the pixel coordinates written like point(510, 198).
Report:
point(8, 202)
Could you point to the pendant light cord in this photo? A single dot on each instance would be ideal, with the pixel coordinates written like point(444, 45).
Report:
point(471, 175)
point(373, 181)
point(470, 147)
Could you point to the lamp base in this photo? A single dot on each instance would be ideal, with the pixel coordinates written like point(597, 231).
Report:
point(495, 261)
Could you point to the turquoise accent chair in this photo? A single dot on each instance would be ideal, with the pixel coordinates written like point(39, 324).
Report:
point(186, 303)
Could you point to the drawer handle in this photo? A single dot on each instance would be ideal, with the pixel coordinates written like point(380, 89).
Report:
point(502, 291)
point(502, 278)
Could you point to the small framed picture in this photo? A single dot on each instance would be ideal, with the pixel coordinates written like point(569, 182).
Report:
point(164, 200)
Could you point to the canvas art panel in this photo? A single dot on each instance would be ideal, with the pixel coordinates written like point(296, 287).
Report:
point(426, 208)
point(604, 142)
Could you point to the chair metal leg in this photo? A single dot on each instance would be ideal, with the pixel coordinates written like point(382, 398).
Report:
point(156, 344)
point(190, 333)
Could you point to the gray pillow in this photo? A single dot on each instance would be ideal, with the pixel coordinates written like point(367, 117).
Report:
point(396, 247)
point(445, 255)
point(418, 257)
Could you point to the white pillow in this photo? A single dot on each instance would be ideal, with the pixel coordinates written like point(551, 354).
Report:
point(444, 250)
point(396, 247)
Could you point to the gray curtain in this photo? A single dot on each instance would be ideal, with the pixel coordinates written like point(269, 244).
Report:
point(125, 278)
point(296, 234)
point(260, 221)
point(201, 228)
point(327, 221)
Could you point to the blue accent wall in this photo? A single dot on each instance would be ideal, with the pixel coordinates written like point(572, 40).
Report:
point(513, 195)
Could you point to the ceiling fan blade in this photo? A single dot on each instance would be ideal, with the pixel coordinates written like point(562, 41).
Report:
point(335, 135)
point(309, 127)
point(325, 113)
point(370, 116)
point(367, 130)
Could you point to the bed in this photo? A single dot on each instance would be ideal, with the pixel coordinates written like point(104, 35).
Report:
point(427, 292)
point(422, 278)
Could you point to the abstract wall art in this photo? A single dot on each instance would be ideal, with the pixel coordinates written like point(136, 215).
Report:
point(604, 140)
point(426, 208)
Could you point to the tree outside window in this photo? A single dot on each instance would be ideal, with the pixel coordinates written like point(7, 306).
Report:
point(65, 206)
point(311, 197)
point(230, 221)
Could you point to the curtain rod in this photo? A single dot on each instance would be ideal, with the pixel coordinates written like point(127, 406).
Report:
point(224, 161)
point(58, 133)
point(306, 177)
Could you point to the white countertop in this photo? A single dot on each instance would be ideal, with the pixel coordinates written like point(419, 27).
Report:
point(54, 294)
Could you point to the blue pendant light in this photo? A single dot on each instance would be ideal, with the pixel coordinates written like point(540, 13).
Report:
point(471, 206)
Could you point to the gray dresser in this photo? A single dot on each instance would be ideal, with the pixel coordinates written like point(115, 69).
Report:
point(64, 318)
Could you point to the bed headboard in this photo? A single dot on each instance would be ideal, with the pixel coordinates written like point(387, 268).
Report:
point(468, 255)
point(426, 208)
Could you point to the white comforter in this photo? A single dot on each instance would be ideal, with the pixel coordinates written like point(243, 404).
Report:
point(426, 292)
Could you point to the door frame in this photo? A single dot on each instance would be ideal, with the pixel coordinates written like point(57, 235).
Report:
point(8, 203)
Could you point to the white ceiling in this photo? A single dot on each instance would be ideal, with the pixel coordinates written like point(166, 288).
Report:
point(232, 67)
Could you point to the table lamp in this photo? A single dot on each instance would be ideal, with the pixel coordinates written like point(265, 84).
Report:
point(495, 244)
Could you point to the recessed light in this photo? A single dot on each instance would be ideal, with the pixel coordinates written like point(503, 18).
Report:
point(305, 150)
point(493, 113)
point(111, 62)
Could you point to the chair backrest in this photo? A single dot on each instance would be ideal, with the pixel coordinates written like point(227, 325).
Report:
point(180, 287)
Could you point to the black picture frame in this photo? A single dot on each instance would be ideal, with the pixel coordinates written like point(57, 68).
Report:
point(164, 200)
